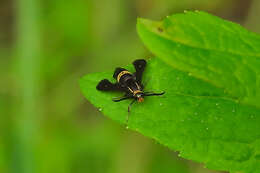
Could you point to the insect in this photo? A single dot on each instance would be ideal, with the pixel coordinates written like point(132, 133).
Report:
point(129, 83)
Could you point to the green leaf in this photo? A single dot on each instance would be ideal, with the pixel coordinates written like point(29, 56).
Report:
point(193, 117)
point(211, 49)
point(200, 115)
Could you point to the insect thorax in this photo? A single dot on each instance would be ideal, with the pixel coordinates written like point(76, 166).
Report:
point(130, 83)
point(127, 80)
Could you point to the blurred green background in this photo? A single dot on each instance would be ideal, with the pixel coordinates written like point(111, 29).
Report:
point(46, 125)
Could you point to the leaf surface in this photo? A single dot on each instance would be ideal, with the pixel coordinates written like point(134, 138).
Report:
point(214, 50)
point(207, 113)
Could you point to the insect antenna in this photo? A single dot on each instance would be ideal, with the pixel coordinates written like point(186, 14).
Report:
point(153, 94)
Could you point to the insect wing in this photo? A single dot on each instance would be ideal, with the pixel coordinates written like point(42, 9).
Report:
point(106, 85)
point(139, 67)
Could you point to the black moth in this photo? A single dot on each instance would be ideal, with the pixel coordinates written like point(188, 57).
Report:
point(129, 83)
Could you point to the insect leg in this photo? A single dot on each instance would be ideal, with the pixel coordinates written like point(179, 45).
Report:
point(118, 99)
point(129, 108)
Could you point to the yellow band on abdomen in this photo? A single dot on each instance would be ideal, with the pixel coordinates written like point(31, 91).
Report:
point(121, 74)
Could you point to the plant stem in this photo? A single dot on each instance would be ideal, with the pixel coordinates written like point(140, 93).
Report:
point(28, 56)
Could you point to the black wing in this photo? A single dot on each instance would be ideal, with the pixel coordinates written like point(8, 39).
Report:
point(106, 85)
point(139, 67)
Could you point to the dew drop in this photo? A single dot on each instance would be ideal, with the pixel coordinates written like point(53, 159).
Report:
point(233, 110)
point(217, 104)
point(127, 127)
point(99, 109)
point(189, 74)
point(207, 128)
point(195, 113)
point(252, 116)
point(160, 104)
point(197, 11)
point(185, 11)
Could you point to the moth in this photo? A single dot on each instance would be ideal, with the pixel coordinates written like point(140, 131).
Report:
point(129, 83)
